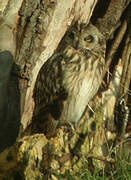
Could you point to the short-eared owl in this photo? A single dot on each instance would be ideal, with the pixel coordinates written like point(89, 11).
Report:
point(71, 77)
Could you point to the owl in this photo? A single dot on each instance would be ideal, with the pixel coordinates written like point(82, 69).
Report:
point(70, 78)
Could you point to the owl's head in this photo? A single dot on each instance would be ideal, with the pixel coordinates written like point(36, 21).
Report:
point(88, 37)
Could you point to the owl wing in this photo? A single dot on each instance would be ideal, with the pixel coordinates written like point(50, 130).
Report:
point(49, 92)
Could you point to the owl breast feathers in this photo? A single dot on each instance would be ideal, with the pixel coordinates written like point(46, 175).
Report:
point(71, 77)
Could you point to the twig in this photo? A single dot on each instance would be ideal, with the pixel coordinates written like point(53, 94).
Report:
point(126, 74)
point(115, 45)
point(102, 158)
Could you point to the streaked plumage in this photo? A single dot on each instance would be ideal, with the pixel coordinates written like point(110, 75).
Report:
point(71, 77)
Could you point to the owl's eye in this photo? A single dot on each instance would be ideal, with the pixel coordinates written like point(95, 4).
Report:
point(89, 39)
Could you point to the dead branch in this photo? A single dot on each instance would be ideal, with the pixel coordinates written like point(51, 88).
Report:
point(108, 24)
point(115, 45)
point(126, 74)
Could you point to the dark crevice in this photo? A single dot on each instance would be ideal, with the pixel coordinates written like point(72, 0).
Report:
point(100, 10)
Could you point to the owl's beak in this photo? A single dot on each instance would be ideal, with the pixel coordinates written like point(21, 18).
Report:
point(87, 45)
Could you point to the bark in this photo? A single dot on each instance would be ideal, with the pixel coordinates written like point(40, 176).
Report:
point(111, 19)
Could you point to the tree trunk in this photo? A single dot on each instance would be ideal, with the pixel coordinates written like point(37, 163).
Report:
point(30, 32)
